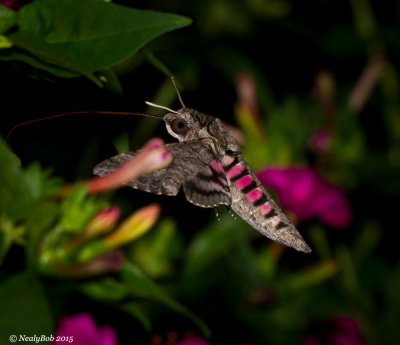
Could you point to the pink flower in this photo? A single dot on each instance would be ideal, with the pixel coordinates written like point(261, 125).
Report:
point(342, 330)
point(10, 3)
point(303, 192)
point(152, 156)
point(105, 263)
point(320, 140)
point(84, 331)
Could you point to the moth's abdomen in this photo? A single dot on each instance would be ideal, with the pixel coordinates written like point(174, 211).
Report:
point(251, 201)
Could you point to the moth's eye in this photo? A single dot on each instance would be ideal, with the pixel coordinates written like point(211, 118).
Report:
point(179, 126)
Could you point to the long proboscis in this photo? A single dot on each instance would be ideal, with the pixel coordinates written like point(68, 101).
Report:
point(129, 113)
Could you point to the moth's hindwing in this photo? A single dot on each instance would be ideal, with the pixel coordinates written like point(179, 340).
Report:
point(209, 187)
point(188, 159)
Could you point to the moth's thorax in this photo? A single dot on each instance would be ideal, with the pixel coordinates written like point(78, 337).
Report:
point(201, 126)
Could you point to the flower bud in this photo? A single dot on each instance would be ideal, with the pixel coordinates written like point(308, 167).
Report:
point(135, 226)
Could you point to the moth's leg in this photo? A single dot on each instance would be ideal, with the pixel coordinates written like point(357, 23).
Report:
point(217, 214)
point(230, 212)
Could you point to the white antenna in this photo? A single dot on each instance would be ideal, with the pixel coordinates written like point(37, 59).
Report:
point(161, 107)
point(177, 92)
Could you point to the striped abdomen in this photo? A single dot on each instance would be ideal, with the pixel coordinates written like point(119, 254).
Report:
point(252, 202)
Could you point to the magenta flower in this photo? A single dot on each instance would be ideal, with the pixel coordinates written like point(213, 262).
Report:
point(342, 330)
point(106, 263)
point(320, 140)
point(152, 156)
point(10, 3)
point(303, 192)
point(84, 331)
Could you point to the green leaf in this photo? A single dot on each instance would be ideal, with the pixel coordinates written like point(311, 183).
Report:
point(15, 194)
point(157, 63)
point(107, 290)
point(94, 34)
point(6, 237)
point(40, 182)
point(24, 308)
point(210, 245)
point(20, 55)
point(136, 310)
point(49, 53)
point(112, 291)
point(313, 275)
point(134, 284)
point(40, 218)
point(121, 142)
point(8, 18)
point(155, 253)
point(77, 208)
point(111, 82)
point(22, 191)
point(5, 42)
point(141, 286)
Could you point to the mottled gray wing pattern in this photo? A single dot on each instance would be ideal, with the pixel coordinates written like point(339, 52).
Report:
point(190, 157)
point(208, 188)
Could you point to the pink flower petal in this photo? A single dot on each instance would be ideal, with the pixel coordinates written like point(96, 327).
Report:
point(307, 195)
point(10, 3)
point(347, 323)
point(320, 140)
point(346, 339)
point(152, 156)
point(274, 178)
point(341, 330)
point(107, 336)
point(84, 331)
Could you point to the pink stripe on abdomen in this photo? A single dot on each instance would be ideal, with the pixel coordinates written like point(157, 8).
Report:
point(254, 195)
point(235, 170)
point(265, 209)
point(243, 181)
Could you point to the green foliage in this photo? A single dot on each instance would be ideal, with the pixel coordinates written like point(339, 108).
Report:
point(25, 308)
point(157, 253)
point(130, 289)
point(77, 209)
point(66, 38)
point(20, 189)
point(33, 215)
point(8, 18)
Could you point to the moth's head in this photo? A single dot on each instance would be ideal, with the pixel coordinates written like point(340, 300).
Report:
point(190, 124)
point(185, 124)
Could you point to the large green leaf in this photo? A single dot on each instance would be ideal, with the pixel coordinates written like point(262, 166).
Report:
point(21, 189)
point(32, 60)
point(92, 33)
point(8, 18)
point(49, 53)
point(15, 195)
point(24, 308)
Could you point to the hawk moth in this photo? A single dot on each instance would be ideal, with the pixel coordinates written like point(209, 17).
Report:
point(208, 165)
